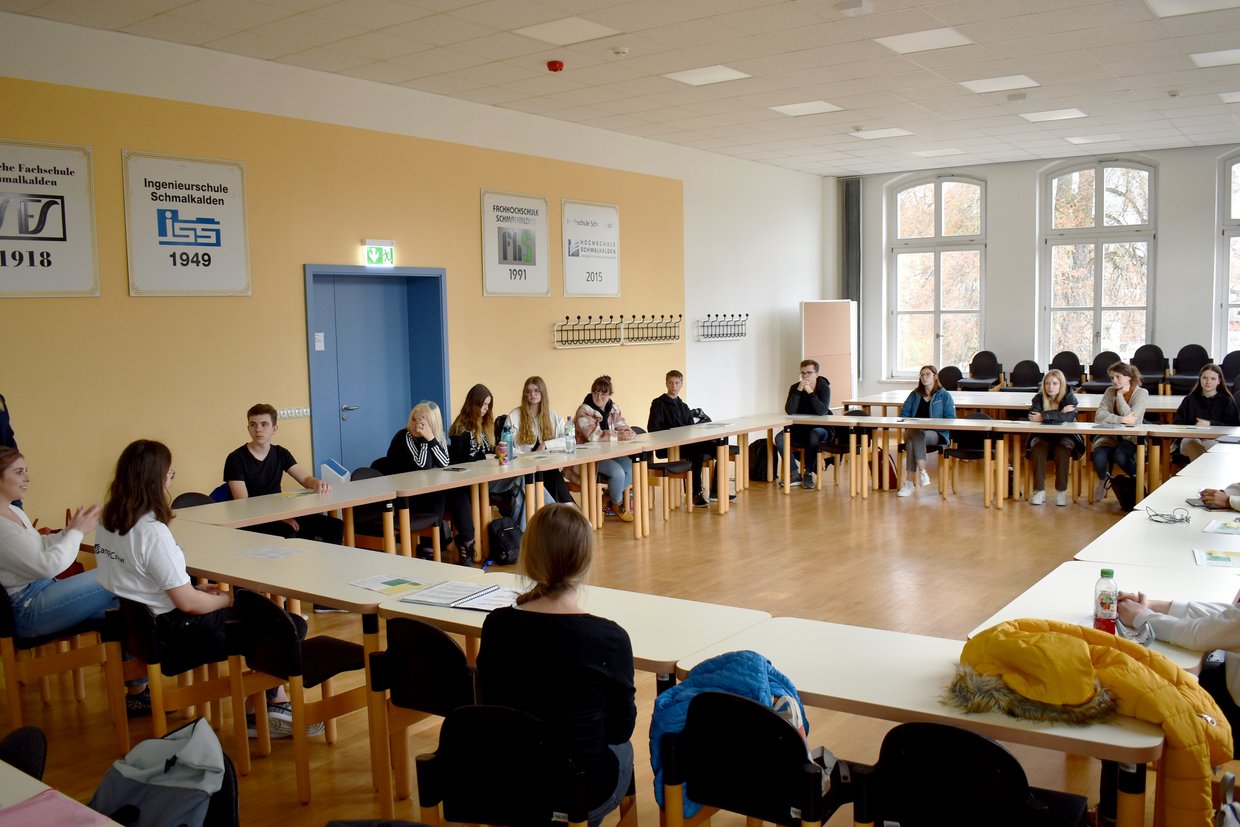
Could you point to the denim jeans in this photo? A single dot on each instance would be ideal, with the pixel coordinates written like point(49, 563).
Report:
point(619, 474)
point(624, 754)
point(46, 606)
point(1124, 455)
point(808, 437)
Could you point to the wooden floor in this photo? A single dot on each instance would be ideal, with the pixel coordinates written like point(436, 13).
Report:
point(914, 565)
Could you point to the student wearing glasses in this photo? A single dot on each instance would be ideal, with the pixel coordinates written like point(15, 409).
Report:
point(810, 395)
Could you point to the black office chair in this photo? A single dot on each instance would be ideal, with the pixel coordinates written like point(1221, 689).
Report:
point(966, 446)
point(949, 378)
point(1026, 377)
point(264, 638)
point(1069, 364)
point(189, 499)
point(1099, 381)
point(422, 672)
point(933, 774)
point(1186, 365)
point(25, 748)
point(739, 756)
point(985, 372)
point(1231, 370)
point(368, 519)
point(540, 785)
point(1149, 359)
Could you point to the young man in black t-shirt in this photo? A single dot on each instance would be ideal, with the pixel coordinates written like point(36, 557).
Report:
point(670, 411)
point(258, 467)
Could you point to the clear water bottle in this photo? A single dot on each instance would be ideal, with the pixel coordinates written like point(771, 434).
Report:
point(503, 451)
point(1106, 599)
point(570, 436)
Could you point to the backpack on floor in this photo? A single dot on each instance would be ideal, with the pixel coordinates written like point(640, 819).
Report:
point(1125, 489)
point(887, 465)
point(505, 541)
point(757, 460)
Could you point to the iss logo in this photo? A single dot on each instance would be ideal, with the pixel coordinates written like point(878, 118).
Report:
point(28, 216)
point(175, 231)
point(574, 248)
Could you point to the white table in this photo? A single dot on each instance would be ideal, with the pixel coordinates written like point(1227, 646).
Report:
point(1138, 541)
point(16, 786)
point(1216, 470)
point(1066, 594)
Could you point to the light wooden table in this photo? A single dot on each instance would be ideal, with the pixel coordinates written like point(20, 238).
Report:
point(1138, 541)
point(901, 677)
point(1161, 404)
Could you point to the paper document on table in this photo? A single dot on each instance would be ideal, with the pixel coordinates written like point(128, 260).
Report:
point(457, 594)
point(301, 493)
point(490, 601)
point(1223, 527)
point(1106, 426)
point(388, 584)
point(271, 552)
point(1222, 559)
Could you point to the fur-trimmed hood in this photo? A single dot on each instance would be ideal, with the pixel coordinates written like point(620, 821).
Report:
point(972, 691)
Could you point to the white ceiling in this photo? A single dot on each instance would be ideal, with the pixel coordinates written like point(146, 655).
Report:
point(1126, 68)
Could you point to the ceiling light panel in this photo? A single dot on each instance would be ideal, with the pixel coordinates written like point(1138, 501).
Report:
point(806, 108)
point(1053, 115)
point(567, 31)
point(1000, 84)
point(1224, 57)
point(939, 153)
point(876, 134)
point(907, 44)
point(1173, 8)
point(1093, 139)
point(706, 75)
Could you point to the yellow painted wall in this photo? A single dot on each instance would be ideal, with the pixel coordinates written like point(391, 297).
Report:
point(85, 376)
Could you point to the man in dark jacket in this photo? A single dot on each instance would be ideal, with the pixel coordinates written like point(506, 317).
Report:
point(670, 411)
point(811, 395)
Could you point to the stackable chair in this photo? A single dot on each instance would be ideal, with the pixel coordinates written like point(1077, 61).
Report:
point(190, 499)
point(933, 774)
point(369, 520)
point(1149, 359)
point(985, 373)
point(263, 640)
point(661, 476)
point(1069, 364)
point(1185, 367)
point(1231, 370)
point(838, 448)
point(25, 748)
point(739, 756)
point(422, 672)
point(949, 378)
point(967, 446)
point(538, 786)
point(1098, 379)
point(1026, 377)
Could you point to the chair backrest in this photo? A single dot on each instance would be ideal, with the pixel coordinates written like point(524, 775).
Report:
point(221, 493)
point(1098, 368)
point(1231, 369)
point(142, 641)
point(500, 421)
point(424, 668)
point(971, 440)
point(1190, 360)
point(933, 774)
point(530, 790)
point(949, 377)
point(984, 365)
point(264, 635)
point(740, 756)
point(1149, 359)
point(8, 624)
point(1069, 364)
point(381, 464)
point(26, 749)
point(190, 499)
point(1026, 373)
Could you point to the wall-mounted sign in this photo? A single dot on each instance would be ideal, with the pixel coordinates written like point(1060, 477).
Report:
point(47, 221)
point(514, 245)
point(378, 253)
point(186, 226)
point(591, 249)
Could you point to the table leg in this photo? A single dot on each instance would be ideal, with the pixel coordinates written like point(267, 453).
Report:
point(852, 464)
point(877, 439)
point(646, 498)
point(742, 462)
point(664, 681)
point(1130, 800)
point(529, 496)
point(1156, 463)
point(349, 536)
point(1018, 462)
point(862, 467)
point(721, 477)
point(639, 502)
point(406, 534)
point(1140, 471)
point(770, 454)
point(786, 460)
point(480, 502)
point(389, 533)
point(1001, 461)
point(380, 758)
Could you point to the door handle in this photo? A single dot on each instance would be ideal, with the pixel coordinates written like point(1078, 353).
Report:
point(347, 408)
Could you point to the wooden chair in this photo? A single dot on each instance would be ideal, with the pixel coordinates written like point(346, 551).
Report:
point(661, 476)
point(369, 520)
point(967, 446)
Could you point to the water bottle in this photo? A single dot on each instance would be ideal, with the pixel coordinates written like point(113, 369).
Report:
point(570, 436)
point(1106, 597)
point(503, 451)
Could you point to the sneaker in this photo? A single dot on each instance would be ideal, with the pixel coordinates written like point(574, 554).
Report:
point(625, 514)
point(715, 497)
point(1061, 498)
point(1038, 498)
point(276, 727)
point(906, 490)
point(280, 720)
point(1100, 490)
point(807, 481)
point(466, 553)
point(796, 480)
point(139, 704)
point(320, 609)
point(923, 478)
point(700, 502)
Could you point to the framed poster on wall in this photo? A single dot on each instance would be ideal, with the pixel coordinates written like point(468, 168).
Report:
point(514, 245)
point(185, 225)
point(47, 221)
point(591, 249)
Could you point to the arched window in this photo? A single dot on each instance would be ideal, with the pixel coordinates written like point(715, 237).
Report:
point(1097, 258)
point(937, 228)
point(1228, 269)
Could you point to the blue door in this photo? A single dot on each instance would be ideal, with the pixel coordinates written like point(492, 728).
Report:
point(377, 346)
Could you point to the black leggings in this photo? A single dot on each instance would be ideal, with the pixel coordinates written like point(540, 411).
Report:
point(454, 502)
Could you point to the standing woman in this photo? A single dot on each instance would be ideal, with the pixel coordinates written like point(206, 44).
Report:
point(930, 400)
point(572, 670)
point(533, 423)
point(419, 446)
point(1123, 404)
point(599, 418)
point(1209, 403)
point(1054, 404)
point(29, 561)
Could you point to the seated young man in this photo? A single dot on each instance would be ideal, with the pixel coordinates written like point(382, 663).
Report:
point(257, 467)
point(810, 395)
point(670, 411)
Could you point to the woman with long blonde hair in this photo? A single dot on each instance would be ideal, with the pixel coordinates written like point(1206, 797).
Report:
point(534, 422)
point(1053, 404)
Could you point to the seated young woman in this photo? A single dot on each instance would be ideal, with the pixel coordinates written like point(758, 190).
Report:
point(574, 671)
point(1209, 403)
point(535, 423)
point(419, 446)
point(30, 561)
point(1052, 405)
point(139, 560)
point(929, 400)
point(1122, 404)
point(599, 418)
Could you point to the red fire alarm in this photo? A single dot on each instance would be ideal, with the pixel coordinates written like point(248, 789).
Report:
point(555, 66)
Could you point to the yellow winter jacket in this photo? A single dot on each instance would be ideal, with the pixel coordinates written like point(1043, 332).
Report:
point(1058, 663)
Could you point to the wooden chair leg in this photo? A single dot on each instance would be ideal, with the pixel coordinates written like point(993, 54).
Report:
point(159, 715)
point(12, 686)
point(329, 726)
point(241, 739)
point(301, 741)
point(79, 677)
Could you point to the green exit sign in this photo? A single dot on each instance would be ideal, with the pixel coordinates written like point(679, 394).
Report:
point(379, 253)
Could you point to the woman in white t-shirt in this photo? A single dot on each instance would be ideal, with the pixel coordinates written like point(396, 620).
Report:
point(534, 426)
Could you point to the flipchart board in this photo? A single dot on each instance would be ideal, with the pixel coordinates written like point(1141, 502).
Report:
point(829, 336)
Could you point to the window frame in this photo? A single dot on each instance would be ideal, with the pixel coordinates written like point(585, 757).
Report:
point(1098, 235)
point(1227, 229)
point(936, 244)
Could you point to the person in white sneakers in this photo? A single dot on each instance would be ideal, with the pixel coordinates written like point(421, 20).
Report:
point(928, 401)
point(1054, 404)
